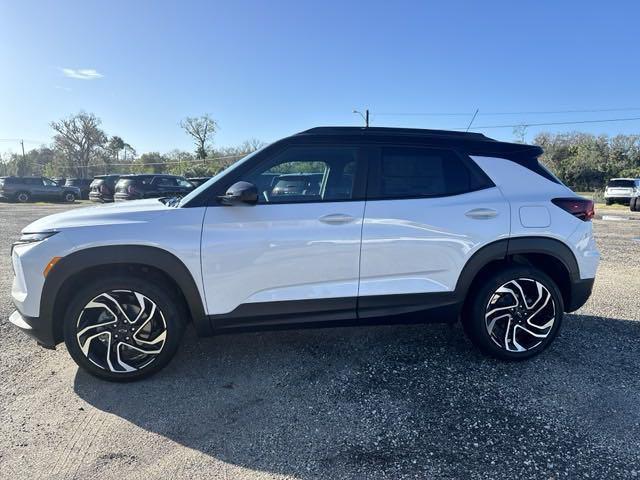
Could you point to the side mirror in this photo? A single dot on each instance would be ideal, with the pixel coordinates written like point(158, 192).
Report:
point(240, 192)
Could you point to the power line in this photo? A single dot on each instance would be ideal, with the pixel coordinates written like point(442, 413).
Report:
point(533, 112)
point(577, 122)
point(18, 140)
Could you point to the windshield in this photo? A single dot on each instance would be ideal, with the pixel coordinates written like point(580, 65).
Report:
point(194, 193)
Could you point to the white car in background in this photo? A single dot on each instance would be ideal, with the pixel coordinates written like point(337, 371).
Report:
point(621, 190)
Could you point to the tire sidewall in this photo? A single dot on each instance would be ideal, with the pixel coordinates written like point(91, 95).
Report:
point(69, 197)
point(173, 314)
point(474, 321)
point(25, 197)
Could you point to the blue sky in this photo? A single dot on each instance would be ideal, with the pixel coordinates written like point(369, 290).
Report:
point(270, 68)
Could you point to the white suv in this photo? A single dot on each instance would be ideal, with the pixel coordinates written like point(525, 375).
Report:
point(333, 225)
point(622, 190)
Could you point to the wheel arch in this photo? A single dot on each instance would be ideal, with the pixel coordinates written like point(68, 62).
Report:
point(551, 256)
point(71, 271)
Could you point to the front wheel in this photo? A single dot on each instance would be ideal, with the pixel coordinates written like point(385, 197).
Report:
point(69, 197)
point(123, 328)
point(634, 204)
point(514, 314)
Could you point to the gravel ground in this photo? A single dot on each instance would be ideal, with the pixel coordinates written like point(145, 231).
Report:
point(376, 402)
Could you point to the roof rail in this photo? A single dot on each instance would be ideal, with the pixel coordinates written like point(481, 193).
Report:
point(394, 131)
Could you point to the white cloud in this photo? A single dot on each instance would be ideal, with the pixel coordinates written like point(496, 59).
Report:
point(66, 89)
point(81, 73)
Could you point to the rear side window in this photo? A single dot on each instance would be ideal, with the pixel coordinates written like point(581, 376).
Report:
point(409, 172)
point(166, 182)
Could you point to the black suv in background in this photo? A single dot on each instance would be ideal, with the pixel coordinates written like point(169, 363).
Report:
point(102, 188)
point(25, 189)
point(135, 187)
point(82, 183)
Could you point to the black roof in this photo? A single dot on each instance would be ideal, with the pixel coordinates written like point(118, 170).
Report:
point(472, 142)
point(421, 132)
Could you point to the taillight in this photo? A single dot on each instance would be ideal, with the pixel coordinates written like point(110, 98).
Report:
point(578, 207)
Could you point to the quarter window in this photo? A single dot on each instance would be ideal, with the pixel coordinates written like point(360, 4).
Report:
point(421, 172)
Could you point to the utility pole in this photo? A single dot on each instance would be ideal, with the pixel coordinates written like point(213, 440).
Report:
point(22, 145)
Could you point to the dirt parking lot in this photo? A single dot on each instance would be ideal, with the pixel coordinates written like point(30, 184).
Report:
point(377, 402)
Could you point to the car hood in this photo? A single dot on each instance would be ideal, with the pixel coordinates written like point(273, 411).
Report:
point(136, 211)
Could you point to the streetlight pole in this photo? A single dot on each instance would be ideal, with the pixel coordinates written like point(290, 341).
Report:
point(365, 117)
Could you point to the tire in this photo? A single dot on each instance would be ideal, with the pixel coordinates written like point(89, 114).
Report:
point(608, 201)
point(505, 335)
point(68, 197)
point(147, 337)
point(22, 197)
point(634, 204)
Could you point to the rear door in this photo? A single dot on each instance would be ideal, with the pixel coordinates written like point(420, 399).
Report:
point(294, 255)
point(428, 211)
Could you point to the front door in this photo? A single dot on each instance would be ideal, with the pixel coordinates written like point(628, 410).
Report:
point(295, 255)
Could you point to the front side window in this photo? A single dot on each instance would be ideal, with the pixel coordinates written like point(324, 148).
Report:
point(306, 174)
point(410, 172)
point(47, 182)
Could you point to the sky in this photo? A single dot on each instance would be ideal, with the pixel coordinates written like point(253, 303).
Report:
point(267, 69)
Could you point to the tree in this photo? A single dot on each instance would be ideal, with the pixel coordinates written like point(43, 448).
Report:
point(80, 138)
point(202, 129)
point(115, 145)
point(152, 162)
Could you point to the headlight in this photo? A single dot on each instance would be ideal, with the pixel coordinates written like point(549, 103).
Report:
point(33, 237)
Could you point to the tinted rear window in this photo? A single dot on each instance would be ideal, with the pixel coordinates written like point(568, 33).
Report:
point(621, 183)
point(408, 172)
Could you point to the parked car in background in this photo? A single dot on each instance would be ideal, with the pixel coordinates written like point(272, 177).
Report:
point(82, 183)
point(634, 201)
point(197, 181)
point(621, 190)
point(102, 188)
point(135, 187)
point(407, 225)
point(26, 189)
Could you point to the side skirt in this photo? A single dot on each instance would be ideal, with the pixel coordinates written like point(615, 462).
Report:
point(334, 312)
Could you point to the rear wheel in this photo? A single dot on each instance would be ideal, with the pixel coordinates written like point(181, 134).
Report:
point(634, 204)
point(608, 201)
point(515, 314)
point(123, 328)
point(69, 197)
point(23, 197)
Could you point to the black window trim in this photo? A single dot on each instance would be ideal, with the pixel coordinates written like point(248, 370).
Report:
point(375, 172)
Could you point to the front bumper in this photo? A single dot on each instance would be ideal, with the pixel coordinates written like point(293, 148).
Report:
point(42, 331)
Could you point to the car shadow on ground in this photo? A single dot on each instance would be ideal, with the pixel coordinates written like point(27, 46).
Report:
point(395, 401)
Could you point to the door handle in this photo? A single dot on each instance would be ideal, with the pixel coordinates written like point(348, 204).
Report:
point(482, 213)
point(337, 218)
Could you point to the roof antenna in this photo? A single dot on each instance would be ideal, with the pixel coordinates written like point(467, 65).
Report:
point(365, 117)
point(472, 119)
